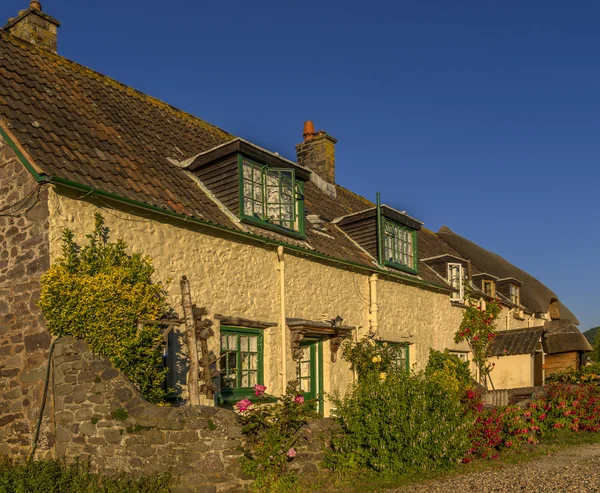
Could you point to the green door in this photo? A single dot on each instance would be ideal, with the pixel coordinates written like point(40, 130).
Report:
point(309, 371)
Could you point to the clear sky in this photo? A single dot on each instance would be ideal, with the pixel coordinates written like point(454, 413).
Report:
point(480, 115)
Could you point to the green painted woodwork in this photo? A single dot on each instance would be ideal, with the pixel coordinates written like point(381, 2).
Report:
point(241, 362)
point(272, 198)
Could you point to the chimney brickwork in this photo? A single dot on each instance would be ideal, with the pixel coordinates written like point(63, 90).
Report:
point(36, 27)
point(317, 153)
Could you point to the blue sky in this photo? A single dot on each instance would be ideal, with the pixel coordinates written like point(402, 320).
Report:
point(483, 116)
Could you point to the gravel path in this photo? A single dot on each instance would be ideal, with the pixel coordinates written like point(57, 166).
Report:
point(573, 470)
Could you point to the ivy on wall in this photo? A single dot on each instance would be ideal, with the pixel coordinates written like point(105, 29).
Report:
point(98, 292)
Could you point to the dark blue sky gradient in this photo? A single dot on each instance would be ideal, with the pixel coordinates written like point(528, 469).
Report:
point(484, 116)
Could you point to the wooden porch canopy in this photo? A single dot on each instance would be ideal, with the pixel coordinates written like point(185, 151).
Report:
point(331, 329)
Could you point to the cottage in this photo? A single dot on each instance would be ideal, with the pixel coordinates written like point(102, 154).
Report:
point(287, 262)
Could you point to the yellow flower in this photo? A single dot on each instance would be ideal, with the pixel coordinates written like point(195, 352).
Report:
point(385, 344)
point(371, 342)
point(382, 376)
point(375, 359)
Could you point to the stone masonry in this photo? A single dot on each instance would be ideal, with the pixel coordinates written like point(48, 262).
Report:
point(23, 339)
point(100, 415)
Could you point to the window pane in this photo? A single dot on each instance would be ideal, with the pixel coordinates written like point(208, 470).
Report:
point(398, 244)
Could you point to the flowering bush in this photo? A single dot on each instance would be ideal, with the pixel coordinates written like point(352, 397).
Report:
point(273, 430)
point(586, 374)
point(369, 355)
point(574, 407)
point(494, 430)
point(479, 330)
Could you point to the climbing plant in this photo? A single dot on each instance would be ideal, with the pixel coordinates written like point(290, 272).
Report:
point(98, 292)
point(478, 328)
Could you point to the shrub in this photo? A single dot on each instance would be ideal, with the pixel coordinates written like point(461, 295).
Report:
point(97, 293)
point(53, 476)
point(368, 355)
point(403, 423)
point(574, 407)
point(585, 374)
point(273, 431)
point(449, 371)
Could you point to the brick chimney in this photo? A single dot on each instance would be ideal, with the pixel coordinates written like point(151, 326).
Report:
point(317, 152)
point(34, 26)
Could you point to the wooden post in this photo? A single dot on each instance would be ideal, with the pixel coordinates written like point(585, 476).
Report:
point(190, 326)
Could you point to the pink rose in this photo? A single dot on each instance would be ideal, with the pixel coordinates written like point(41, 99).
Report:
point(291, 453)
point(298, 400)
point(243, 405)
point(259, 390)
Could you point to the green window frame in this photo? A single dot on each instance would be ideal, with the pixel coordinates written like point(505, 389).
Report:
point(241, 363)
point(271, 197)
point(402, 362)
point(399, 246)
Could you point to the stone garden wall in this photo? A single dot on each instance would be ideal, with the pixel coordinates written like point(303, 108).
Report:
point(100, 415)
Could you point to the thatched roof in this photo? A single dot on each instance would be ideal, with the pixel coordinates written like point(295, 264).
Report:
point(562, 336)
point(534, 294)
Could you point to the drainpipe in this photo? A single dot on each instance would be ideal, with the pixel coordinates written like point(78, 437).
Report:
point(282, 320)
point(508, 315)
point(374, 306)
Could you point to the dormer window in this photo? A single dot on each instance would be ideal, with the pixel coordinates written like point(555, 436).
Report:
point(455, 279)
point(257, 186)
point(515, 294)
point(398, 246)
point(489, 288)
point(271, 196)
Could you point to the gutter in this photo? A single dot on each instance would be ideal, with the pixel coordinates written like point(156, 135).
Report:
point(41, 177)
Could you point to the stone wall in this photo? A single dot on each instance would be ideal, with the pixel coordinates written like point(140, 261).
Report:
point(100, 415)
point(23, 339)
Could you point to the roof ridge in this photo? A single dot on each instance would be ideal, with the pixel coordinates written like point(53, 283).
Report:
point(360, 197)
point(22, 44)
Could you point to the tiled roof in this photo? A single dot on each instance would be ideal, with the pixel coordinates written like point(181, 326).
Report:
point(85, 127)
point(520, 341)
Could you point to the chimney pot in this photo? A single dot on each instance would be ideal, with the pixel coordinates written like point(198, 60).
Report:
point(309, 130)
point(35, 5)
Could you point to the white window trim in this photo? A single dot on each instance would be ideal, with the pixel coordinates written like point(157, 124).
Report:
point(461, 285)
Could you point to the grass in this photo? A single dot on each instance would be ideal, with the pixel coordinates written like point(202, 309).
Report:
point(367, 483)
point(54, 476)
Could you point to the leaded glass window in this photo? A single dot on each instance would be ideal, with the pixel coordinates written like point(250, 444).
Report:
point(241, 359)
point(271, 195)
point(399, 243)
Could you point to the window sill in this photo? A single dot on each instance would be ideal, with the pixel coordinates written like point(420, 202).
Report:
point(230, 397)
point(401, 267)
point(273, 227)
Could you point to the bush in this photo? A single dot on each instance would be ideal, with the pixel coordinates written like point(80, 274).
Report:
point(53, 476)
point(97, 293)
point(368, 355)
point(449, 371)
point(273, 431)
point(585, 374)
point(574, 407)
point(403, 423)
